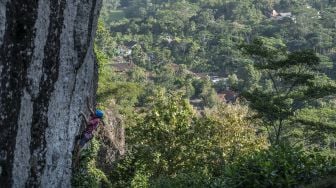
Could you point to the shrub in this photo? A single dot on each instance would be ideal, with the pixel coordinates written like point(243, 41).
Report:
point(280, 166)
point(87, 174)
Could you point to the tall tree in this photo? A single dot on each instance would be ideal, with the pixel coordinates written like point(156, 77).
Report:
point(295, 81)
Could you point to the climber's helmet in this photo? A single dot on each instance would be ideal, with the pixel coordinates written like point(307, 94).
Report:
point(99, 113)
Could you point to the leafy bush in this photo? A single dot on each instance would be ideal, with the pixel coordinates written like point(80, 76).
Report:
point(193, 179)
point(280, 166)
point(87, 174)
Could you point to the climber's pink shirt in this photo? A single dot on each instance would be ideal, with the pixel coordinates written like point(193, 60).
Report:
point(93, 124)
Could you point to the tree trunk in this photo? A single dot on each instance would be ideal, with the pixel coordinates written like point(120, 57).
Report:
point(47, 71)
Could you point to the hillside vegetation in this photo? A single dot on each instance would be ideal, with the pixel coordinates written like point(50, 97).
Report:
point(219, 93)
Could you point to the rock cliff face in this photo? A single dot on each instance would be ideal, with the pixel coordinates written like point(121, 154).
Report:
point(47, 70)
point(112, 141)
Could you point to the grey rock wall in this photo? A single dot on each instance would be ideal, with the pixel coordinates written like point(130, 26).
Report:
point(112, 141)
point(47, 71)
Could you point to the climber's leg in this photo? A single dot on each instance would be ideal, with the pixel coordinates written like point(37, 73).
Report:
point(84, 139)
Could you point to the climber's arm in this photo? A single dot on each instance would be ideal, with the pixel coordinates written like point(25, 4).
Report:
point(89, 106)
point(86, 120)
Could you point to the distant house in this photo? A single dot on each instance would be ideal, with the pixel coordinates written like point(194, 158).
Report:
point(216, 79)
point(123, 51)
point(126, 49)
point(280, 16)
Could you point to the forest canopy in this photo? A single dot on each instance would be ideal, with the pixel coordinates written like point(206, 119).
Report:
point(220, 93)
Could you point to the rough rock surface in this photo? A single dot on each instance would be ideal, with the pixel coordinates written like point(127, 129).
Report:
point(112, 141)
point(47, 71)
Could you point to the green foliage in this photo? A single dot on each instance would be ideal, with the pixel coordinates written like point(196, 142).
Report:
point(189, 179)
point(104, 41)
point(104, 50)
point(126, 94)
point(205, 34)
point(178, 43)
point(209, 97)
point(280, 166)
point(295, 82)
point(160, 139)
point(140, 180)
point(172, 147)
point(88, 175)
point(323, 116)
point(137, 75)
point(234, 133)
point(321, 123)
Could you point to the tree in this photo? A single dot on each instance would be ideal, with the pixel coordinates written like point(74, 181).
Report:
point(172, 144)
point(234, 131)
point(209, 97)
point(137, 74)
point(295, 80)
point(160, 139)
point(320, 118)
point(104, 41)
point(47, 72)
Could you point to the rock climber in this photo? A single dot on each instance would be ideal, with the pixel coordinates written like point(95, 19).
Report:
point(91, 126)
